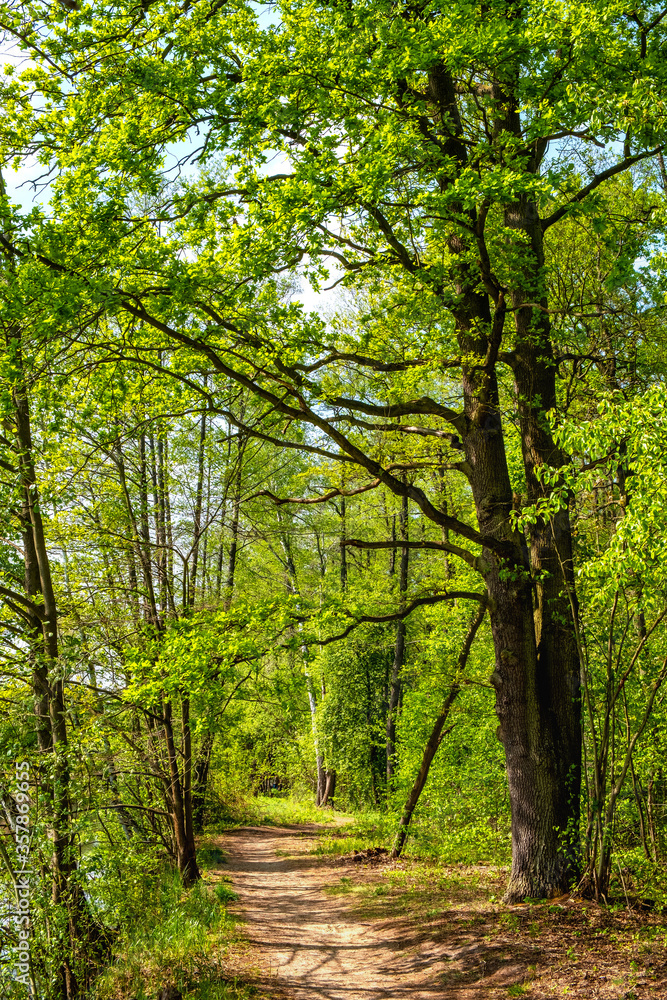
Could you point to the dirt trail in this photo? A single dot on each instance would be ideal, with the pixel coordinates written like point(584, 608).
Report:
point(310, 942)
point(450, 942)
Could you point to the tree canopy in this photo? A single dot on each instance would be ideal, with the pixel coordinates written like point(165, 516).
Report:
point(245, 542)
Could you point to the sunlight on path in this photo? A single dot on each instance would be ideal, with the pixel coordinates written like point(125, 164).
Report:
point(311, 942)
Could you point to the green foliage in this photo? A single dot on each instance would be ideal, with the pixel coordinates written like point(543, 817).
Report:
point(151, 330)
point(264, 810)
point(352, 715)
point(173, 935)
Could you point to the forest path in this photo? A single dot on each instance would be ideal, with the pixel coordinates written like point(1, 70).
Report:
point(313, 946)
point(363, 940)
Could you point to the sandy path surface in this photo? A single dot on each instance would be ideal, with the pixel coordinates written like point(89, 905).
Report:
point(310, 942)
point(312, 945)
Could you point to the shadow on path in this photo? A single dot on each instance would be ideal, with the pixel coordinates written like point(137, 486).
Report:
point(313, 947)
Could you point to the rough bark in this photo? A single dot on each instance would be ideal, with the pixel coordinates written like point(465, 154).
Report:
point(537, 674)
point(328, 797)
point(552, 724)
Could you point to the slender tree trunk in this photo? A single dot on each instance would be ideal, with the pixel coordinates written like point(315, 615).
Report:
point(234, 528)
point(198, 508)
point(160, 526)
point(392, 551)
point(144, 525)
point(343, 548)
point(437, 735)
point(293, 586)
point(187, 788)
point(205, 571)
point(181, 814)
point(127, 823)
point(319, 759)
point(399, 650)
point(200, 780)
point(141, 550)
point(163, 481)
point(49, 699)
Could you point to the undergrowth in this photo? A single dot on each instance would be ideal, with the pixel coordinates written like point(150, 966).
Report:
point(265, 810)
point(175, 937)
point(474, 844)
point(634, 878)
point(636, 881)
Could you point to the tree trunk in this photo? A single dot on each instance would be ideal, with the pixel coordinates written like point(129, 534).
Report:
point(555, 730)
point(234, 529)
point(543, 770)
point(293, 587)
point(144, 539)
point(181, 812)
point(329, 790)
point(139, 541)
point(159, 520)
point(343, 549)
point(399, 650)
point(319, 759)
point(537, 673)
point(192, 867)
point(49, 701)
point(198, 509)
point(163, 483)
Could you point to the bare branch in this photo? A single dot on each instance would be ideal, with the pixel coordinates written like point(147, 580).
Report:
point(419, 602)
point(455, 550)
point(310, 500)
point(604, 175)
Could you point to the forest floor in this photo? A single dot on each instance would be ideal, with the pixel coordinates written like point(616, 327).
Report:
point(332, 928)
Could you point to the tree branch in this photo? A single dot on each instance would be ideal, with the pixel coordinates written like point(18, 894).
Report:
point(618, 168)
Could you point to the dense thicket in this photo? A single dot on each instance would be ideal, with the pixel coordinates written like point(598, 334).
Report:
point(421, 530)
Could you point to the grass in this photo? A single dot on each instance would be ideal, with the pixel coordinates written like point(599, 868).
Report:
point(210, 856)
point(265, 810)
point(368, 829)
point(469, 846)
point(180, 937)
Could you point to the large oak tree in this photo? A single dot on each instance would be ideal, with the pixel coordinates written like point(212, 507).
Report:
point(427, 150)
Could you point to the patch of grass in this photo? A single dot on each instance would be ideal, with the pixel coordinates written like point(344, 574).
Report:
point(224, 893)
point(363, 830)
point(180, 937)
point(209, 856)
point(341, 844)
point(470, 846)
point(342, 888)
point(265, 810)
